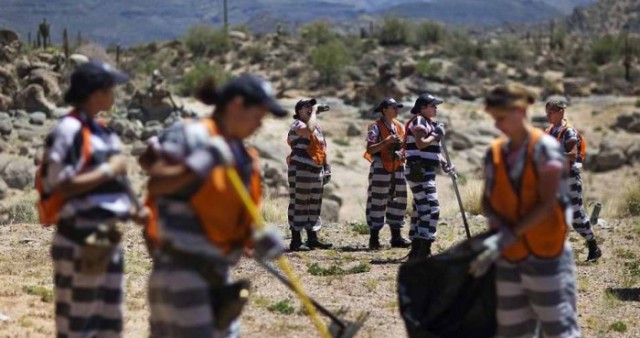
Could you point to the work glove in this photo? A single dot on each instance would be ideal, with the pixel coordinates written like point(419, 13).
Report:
point(326, 174)
point(268, 244)
point(492, 247)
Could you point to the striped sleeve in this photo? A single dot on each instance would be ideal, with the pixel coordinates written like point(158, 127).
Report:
point(547, 155)
point(373, 135)
point(60, 143)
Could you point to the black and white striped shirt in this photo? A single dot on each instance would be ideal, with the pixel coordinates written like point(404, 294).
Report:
point(429, 155)
point(63, 151)
point(299, 144)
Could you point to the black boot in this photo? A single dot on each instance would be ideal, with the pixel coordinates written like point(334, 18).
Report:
point(420, 248)
point(296, 242)
point(374, 239)
point(397, 241)
point(314, 243)
point(594, 250)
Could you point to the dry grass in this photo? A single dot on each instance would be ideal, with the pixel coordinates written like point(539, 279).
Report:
point(23, 210)
point(630, 205)
point(274, 210)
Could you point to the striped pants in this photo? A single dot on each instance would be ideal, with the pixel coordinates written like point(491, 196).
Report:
point(581, 222)
point(426, 208)
point(180, 303)
point(386, 196)
point(305, 198)
point(86, 306)
point(537, 297)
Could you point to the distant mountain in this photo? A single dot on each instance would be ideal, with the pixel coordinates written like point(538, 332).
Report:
point(133, 21)
point(606, 17)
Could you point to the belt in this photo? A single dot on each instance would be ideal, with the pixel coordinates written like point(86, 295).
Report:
point(68, 229)
point(203, 266)
point(422, 164)
point(307, 167)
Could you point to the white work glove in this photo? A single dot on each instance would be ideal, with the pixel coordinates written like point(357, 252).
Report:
point(492, 247)
point(268, 244)
point(222, 150)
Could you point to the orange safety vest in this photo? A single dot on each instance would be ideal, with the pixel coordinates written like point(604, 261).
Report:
point(546, 238)
point(565, 125)
point(222, 214)
point(389, 162)
point(50, 204)
point(316, 151)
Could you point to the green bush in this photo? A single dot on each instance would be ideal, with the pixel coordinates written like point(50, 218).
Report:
point(255, 53)
point(429, 33)
point(45, 293)
point(428, 69)
point(316, 270)
point(604, 50)
point(318, 32)
point(205, 40)
point(360, 228)
point(200, 70)
point(507, 49)
point(618, 326)
point(329, 60)
point(395, 32)
point(283, 306)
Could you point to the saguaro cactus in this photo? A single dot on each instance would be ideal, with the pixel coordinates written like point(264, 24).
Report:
point(65, 44)
point(43, 28)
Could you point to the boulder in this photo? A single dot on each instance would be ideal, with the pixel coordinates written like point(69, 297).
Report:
point(33, 98)
point(4, 189)
point(18, 172)
point(629, 122)
point(48, 80)
point(5, 102)
point(5, 127)
point(610, 156)
point(577, 86)
point(37, 118)
point(129, 131)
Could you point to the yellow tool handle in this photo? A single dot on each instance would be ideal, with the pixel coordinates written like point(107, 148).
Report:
point(282, 261)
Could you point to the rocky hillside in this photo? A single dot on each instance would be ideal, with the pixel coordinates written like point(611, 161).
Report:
point(127, 22)
point(606, 17)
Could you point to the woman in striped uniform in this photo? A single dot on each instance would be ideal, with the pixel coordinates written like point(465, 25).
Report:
point(526, 202)
point(201, 227)
point(308, 173)
point(571, 142)
point(82, 163)
point(422, 150)
point(387, 192)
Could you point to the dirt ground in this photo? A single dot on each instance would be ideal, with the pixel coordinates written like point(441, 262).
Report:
point(609, 291)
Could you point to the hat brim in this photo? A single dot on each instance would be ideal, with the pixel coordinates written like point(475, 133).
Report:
point(436, 102)
point(275, 108)
point(119, 78)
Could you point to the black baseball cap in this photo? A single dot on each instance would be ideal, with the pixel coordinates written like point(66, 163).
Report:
point(305, 103)
point(423, 100)
point(254, 90)
point(388, 102)
point(90, 77)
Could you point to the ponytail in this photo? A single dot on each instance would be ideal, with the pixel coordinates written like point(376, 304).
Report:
point(207, 92)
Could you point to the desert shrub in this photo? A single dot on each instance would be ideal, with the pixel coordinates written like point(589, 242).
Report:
point(630, 205)
point(200, 70)
point(205, 40)
point(395, 31)
point(284, 306)
point(319, 32)
point(23, 211)
point(604, 49)
point(429, 33)
point(428, 69)
point(329, 60)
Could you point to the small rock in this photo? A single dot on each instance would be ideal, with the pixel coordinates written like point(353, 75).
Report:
point(353, 130)
point(4, 318)
point(37, 118)
point(27, 240)
point(6, 127)
point(4, 189)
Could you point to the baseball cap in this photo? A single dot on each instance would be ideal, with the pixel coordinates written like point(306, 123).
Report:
point(423, 100)
point(388, 102)
point(90, 77)
point(556, 104)
point(305, 103)
point(254, 90)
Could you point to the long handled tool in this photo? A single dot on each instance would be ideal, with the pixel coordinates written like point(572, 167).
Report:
point(339, 328)
point(282, 261)
point(454, 179)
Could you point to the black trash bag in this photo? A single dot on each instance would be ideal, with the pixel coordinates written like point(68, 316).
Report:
point(438, 297)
